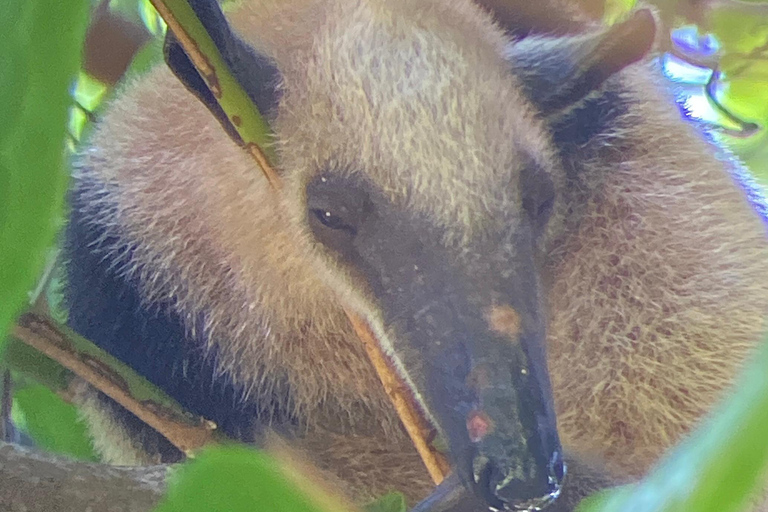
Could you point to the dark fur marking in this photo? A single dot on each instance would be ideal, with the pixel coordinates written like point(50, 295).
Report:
point(105, 306)
point(595, 116)
point(575, 131)
point(185, 71)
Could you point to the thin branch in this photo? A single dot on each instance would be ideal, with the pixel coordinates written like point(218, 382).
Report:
point(234, 101)
point(45, 336)
point(419, 430)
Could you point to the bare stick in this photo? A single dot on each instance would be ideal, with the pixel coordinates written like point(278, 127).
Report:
point(399, 394)
point(42, 334)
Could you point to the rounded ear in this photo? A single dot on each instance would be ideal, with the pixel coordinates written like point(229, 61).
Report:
point(256, 73)
point(558, 72)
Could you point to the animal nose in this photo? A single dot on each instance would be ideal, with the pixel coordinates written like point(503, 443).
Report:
point(504, 485)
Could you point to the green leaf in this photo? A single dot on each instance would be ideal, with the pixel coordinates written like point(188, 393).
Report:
point(235, 479)
point(754, 153)
point(719, 467)
point(390, 502)
point(743, 35)
point(39, 59)
point(737, 31)
point(31, 363)
point(52, 423)
point(747, 98)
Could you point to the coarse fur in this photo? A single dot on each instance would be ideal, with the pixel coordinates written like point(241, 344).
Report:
point(655, 261)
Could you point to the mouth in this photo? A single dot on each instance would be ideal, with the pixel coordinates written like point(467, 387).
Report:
point(503, 494)
point(452, 496)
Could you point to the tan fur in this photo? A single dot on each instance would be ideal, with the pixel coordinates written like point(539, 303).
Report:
point(658, 293)
point(659, 296)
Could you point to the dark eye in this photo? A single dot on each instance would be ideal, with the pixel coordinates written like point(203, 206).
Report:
point(337, 208)
point(333, 221)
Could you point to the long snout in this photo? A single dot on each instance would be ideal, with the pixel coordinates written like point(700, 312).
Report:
point(514, 452)
point(466, 327)
point(489, 392)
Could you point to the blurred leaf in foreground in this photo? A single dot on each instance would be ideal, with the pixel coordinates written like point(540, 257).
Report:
point(239, 479)
point(390, 502)
point(52, 423)
point(40, 57)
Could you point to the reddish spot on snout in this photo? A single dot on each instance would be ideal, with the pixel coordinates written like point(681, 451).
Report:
point(478, 425)
point(504, 320)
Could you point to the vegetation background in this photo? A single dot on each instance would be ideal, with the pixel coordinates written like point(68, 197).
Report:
point(715, 57)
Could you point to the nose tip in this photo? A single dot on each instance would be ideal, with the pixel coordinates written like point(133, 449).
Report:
point(505, 487)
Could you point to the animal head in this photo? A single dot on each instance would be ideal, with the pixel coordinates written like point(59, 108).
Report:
point(415, 147)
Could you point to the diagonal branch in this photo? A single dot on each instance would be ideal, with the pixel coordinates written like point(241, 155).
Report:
point(234, 101)
point(418, 428)
point(158, 412)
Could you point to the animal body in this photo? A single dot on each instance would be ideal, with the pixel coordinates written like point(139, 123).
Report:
point(492, 207)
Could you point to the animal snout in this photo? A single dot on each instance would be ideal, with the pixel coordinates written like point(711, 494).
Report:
point(505, 485)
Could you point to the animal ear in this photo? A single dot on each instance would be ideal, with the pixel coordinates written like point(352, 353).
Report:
point(256, 73)
point(558, 72)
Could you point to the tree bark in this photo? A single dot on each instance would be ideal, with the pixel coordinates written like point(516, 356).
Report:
point(32, 481)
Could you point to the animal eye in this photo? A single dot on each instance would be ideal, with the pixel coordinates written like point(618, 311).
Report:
point(337, 209)
point(332, 221)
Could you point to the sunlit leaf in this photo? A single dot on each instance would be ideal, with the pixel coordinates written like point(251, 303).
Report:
point(747, 99)
point(738, 32)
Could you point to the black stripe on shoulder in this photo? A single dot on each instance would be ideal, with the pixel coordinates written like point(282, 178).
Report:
point(106, 307)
